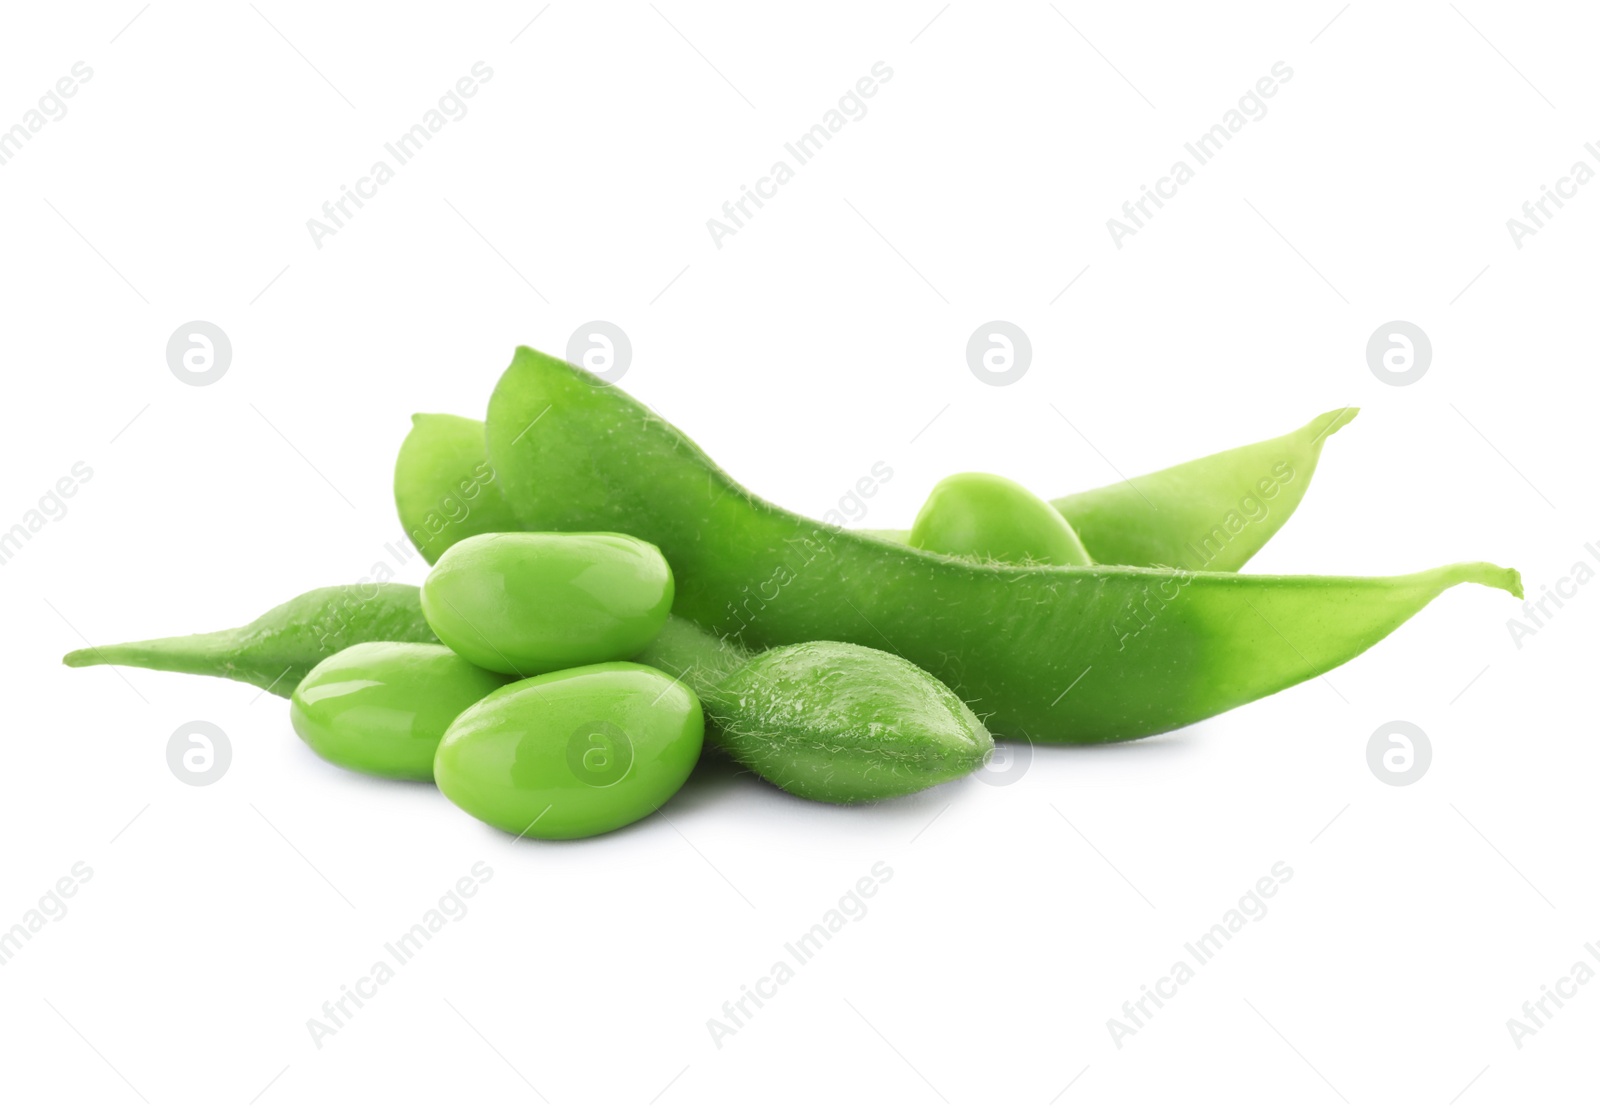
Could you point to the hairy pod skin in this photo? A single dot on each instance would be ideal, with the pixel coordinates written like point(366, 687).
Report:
point(1141, 650)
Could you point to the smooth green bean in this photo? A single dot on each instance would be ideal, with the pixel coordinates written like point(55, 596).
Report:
point(573, 753)
point(989, 518)
point(382, 707)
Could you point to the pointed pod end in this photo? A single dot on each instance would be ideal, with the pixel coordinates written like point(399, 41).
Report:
point(80, 658)
point(1491, 575)
point(1329, 422)
point(1513, 582)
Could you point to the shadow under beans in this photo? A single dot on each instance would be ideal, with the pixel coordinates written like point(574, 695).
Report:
point(1170, 742)
point(719, 783)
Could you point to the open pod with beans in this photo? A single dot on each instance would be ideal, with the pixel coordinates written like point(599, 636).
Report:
point(595, 618)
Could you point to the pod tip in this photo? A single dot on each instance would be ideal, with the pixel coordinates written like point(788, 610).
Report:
point(1513, 583)
point(1487, 573)
point(1329, 422)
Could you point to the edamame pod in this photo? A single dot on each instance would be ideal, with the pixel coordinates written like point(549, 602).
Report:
point(525, 603)
point(276, 650)
point(1075, 654)
point(444, 489)
point(827, 721)
point(574, 753)
point(833, 721)
point(783, 734)
point(382, 707)
point(992, 519)
point(1212, 513)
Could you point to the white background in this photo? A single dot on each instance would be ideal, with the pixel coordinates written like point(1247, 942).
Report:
point(821, 338)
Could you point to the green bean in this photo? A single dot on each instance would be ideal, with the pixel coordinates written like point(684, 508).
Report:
point(530, 603)
point(989, 518)
point(382, 707)
point(573, 753)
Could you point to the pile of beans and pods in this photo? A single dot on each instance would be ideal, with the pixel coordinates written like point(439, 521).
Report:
point(606, 605)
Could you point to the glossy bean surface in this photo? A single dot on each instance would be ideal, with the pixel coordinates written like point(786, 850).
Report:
point(528, 603)
point(989, 518)
point(382, 707)
point(574, 753)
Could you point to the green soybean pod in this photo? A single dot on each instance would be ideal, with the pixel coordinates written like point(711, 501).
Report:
point(1212, 513)
point(827, 721)
point(574, 753)
point(528, 603)
point(382, 707)
point(443, 486)
point(993, 519)
point(1156, 649)
point(277, 649)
